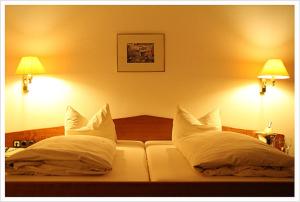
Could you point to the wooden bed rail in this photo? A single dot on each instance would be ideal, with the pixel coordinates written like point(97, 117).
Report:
point(153, 189)
point(140, 128)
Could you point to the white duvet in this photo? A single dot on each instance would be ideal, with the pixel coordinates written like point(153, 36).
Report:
point(64, 155)
point(229, 153)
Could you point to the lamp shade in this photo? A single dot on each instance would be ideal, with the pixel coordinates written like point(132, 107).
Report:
point(30, 65)
point(274, 69)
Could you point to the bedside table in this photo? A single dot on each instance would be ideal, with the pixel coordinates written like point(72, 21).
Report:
point(276, 140)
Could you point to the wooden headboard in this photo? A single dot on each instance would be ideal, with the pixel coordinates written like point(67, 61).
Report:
point(140, 128)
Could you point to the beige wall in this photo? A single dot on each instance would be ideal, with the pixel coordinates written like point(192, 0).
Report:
point(212, 57)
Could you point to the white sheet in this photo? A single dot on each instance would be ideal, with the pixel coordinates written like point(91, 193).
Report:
point(229, 153)
point(64, 155)
point(129, 165)
point(167, 164)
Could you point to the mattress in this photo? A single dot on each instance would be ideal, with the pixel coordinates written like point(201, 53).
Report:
point(129, 164)
point(167, 164)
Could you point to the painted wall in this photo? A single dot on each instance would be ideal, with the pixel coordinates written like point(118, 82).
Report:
point(212, 57)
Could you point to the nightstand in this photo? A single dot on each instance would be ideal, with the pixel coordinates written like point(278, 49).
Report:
point(276, 140)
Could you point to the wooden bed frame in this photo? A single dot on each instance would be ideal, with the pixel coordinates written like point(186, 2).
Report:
point(140, 128)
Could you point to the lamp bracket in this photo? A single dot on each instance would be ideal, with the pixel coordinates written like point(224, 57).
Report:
point(264, 83)
point(27, 78)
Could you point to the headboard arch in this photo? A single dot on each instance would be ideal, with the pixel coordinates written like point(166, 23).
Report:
point(142, 128)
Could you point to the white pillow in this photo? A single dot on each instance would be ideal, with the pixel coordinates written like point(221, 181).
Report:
point(101, 124)
point(74, 119)
point(185, 124)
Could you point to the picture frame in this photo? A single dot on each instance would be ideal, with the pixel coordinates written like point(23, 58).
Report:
point(140, 52)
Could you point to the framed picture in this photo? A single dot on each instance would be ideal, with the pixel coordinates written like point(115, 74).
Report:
point(141, 52)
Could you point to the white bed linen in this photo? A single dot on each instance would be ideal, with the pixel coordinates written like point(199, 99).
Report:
point(129, 165)
point(64, 155)
point(229, 153)
point(166, 164)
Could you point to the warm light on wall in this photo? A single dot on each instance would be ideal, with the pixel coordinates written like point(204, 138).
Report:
point(45, 107)
point(28, 66)
point(273, 69)
point(244, 98)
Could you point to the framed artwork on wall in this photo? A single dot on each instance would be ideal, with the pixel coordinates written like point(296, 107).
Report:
point(141, 52)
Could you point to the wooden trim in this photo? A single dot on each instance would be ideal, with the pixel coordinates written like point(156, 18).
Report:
point(239, 130)
point(144, 128)
point(140, 128)
point(117, 189)
point(35, 135)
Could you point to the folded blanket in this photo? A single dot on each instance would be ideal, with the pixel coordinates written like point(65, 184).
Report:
point(64, 155)
point(229, 153)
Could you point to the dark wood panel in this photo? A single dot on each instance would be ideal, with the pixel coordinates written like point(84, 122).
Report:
point(141, 128)
point(271, 189)
point(144, 128)
point(35, 135)
point(239, 130)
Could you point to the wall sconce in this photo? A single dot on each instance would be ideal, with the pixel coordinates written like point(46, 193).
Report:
point(27, 67)
point(273, 69)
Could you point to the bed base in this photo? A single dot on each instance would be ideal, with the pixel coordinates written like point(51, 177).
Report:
point(150, 189)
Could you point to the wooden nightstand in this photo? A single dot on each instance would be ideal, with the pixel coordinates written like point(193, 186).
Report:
point(276, 140)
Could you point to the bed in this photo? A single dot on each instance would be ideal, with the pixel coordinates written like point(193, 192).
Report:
point(163, 156)
point(129, 165)
point(129, 181)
